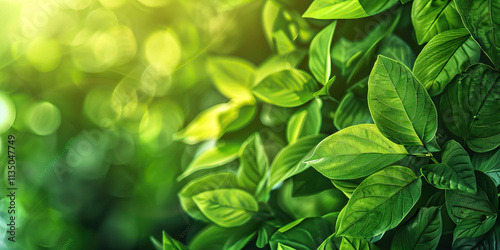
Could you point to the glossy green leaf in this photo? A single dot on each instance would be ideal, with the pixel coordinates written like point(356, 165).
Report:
point(349, 243)
point(170, 243)
point(461, 205)
point(325, 90)
point(480, 17)
point(422, 232)
point(396, 48)
point(487, 161)
point(347, 186)
point(227, 207)
point(303, 234)
point(277, 63)
point(305, 122)
point(289, 161)
point(473, 226)
point(222, 153)
point(446, 55)
point(456, 171)
point(215, 238)
point(320, 62)
point(380, 203)
point(253, 173)
point(431, 17)
point(265, 232)
point(400, 106)
point(287, 88)
point(331, 243)
point(355, 152)
point(203, 184)
point(352, 111)
point(488, 241)
point(284, 44)
point(470, 106)
point(346, 9)
point(233, 77)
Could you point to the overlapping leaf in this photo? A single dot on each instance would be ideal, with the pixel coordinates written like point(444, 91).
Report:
point(422, 232)
point(320, 61)
point(304, 122)
point(346, 9)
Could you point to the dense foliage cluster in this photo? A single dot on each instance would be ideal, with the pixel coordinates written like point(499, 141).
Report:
point(381, 131)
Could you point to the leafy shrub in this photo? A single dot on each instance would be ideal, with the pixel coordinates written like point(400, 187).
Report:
point(354, 134)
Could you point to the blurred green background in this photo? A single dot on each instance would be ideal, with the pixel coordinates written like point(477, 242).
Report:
point(94, 91)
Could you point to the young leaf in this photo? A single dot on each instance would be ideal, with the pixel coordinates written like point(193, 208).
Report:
point(400, 106)
point(480, 17)
point(447, 54)
point(319, 54)
point(474, 225)
point(287, 88)
point(422, 232)
point(461, 205)
point(431, 17)
point(218, 155)
point(355, 152)
point(213, 122)
point(227, 207)
point(456, 171)
point(380, 203)
point(253, 173)
point(303, 234)
point(289, 161)
point(170, 243)
point(203, 184)
point(352, 111)
point(396, 48)
point(470, 107)
point(349, 243)
point(306, 121)
point(346, 9)
point(233, 77)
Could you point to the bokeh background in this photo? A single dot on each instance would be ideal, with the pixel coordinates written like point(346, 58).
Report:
point(94, 92)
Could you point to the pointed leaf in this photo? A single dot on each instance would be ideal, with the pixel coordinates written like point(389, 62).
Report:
point(346, 9)
point(422, 232)
point(380, 203)
point(253, 173)
point(352, 111)
point(355, 152)
point(446, 55)
point(305, 122)
point(233, 77)
point(396, 48)
point(456, 171)
point(475, 225)
point(227, 207)
point(320, 62)
point(349, 243)
point(400, 106)
point(303, 234)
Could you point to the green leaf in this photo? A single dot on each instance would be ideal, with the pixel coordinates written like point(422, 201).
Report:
point(233, 77)
point(447, 54)
point(349, 243)
point(277, 63)
point(480, 17)
point(352, 111)
point(347, 186)
point(422, 232)
point(215, 238)
point(222, 153)
point(355, 152)
point(287, 88)
point(400, 106)
point(265, 232)
point(380, 203)
point(431, 17)
point(203, 184)
point(227, 207)
point(346, 9)
point(487, 162)
point(461, 205)
point(474, 225)
point(320, 61)
point(170, 243)
point(396, 48)
point(325, 90)
point(306, 121)
point(284, 45)
point(331, 243)
point(213, 122)
point(253, 173)
point(456, 171)
point(470, 106)
point(303, 234)
point(289, 161)
point(487, 241)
